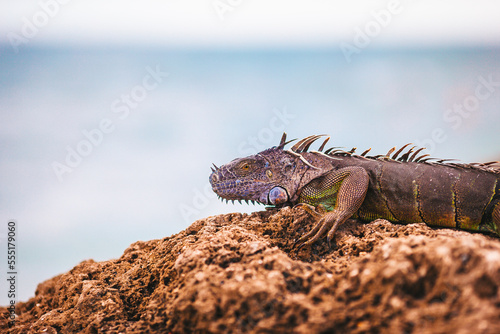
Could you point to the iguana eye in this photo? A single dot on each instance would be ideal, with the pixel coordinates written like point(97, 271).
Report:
point(244, 168)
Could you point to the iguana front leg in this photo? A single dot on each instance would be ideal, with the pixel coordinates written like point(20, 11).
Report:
point(340, 192)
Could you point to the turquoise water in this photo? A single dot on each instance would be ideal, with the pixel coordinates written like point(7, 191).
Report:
point(101, 147)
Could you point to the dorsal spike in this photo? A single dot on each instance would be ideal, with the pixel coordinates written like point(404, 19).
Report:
point(338, 152)
point(366, 152)
point(427, 159)
point(388, 155)
point(303, 144)
point(308, 143)
point(352, 150)
point(323, 145)
point(405, 156)
point(295, 148)
point(283, 141)
point(216, 168)
point(395, 156)
point(415, 154)
point(328, 151)
point(419, 159)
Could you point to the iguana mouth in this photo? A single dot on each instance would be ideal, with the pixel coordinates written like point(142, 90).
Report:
point(230, 188)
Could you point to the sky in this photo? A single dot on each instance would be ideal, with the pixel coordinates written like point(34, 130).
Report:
point(256, 23)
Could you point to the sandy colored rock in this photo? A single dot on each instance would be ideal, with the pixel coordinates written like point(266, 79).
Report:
point(240, 273)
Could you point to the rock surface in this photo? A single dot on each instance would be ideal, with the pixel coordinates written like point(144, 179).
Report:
point(239, 273)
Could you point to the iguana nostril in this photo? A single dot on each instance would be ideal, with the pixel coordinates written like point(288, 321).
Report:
point(214, 178)
point(277, 196)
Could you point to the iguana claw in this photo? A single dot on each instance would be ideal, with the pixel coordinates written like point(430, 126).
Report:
point(313, 211)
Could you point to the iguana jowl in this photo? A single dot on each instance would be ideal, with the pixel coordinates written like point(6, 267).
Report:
point(334, 185)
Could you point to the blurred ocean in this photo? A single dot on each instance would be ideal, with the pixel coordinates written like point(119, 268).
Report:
point(101, 148)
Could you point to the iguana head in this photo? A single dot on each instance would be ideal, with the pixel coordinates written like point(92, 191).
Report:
point(270, 177)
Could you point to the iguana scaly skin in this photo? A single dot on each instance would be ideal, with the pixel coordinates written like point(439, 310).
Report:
point(334, 185)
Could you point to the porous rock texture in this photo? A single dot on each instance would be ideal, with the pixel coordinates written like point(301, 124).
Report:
point(239, 273)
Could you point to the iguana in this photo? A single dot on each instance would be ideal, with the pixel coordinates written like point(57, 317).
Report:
point(334, 185)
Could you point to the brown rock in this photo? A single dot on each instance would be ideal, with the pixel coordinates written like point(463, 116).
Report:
point(240, 273)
